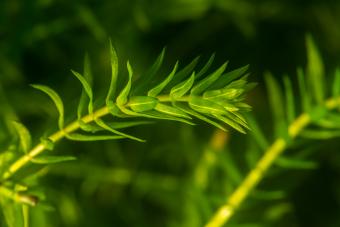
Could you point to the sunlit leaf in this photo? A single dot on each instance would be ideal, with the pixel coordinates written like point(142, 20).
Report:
point(182, 88)
point(124, 94)
point(114, 74)
point(52, 159)
point(56, 99)
point(171, 111)
point(144, 81)
point(290, 105)
point(158, 89)
point(277, 105)
point(88, 91)
point(209, 80)
point(111, 129)
point(293, 163)
point(315, 70)
point(24, 136)
point(205, 106)
point(205, 67)
point(142, 103)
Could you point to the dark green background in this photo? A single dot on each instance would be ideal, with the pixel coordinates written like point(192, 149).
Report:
point(41, 40)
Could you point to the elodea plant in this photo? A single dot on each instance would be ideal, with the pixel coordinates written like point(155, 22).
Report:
point(216, 98)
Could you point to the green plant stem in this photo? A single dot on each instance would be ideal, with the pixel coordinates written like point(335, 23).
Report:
point(226, 211)
point(17, 196)
point(54, 138)
point(17, 165)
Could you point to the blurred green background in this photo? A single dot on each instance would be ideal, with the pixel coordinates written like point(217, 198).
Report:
point(181, 175)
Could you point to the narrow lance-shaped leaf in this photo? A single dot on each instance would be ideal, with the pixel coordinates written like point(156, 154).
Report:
point(57, 101)
point(205, 67)
point(205, 83)
point(293, 163)
point(124, 94)
point(111, 129)
point(187, 110)
point(87, 89)
point(230, 122)
point(315, 70)
point(82, 137)
point(52, 159)
point(181, 89)
point(289, 99)
point(114, 75)
point(226, 78)
point(158, 89)
point(84, 94)
point(171, 111)
point(142, 103)
point(205, 106)
point(184, 73)
point(336, 84)
point(277, 105)
point(304, 93)
point(144, 81)
point(24, 136)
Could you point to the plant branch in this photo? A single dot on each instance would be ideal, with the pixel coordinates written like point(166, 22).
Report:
point(226, 211)
point(18, 197)
point(74, 126)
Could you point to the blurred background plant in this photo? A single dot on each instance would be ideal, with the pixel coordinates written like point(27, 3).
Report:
point(183, 173)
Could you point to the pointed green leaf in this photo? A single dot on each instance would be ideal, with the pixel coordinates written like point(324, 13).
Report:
point(315, 70)
point(88, 90)
point(128, 124)
point(290, 105)
point(52, 159)
point(230, 122)
point(206, 67)
point(84, 94)
point(24, 136)
point(124, 94)
point(82, 137)
point(144, 81)
point(187, 110)
point(158, 89)
point(209, 80)
point(57, 101)
point(258, 134)
point(320, 134)
point(336, 84)
point(226, 78)
point(155, 115)
point(292, 163)
point(226, 93)
point(276, 104)
point(237, 118)
point(110, 129)
point(182, 88)
point(171, 111)
point(142, 103)
point(205, 106)
point(114, 74)
point(184, 73)
point(304, 93)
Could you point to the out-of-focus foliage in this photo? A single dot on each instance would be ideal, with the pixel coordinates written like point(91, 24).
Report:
point(183, 173)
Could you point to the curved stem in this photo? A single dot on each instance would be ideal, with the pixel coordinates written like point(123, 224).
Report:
point(54, 138)
point(74, 126)
point(226, 211)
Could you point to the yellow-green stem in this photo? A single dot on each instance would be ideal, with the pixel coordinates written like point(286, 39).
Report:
point(17, 196)
point(17, 165)
point(54, 138)
point(226, 211)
